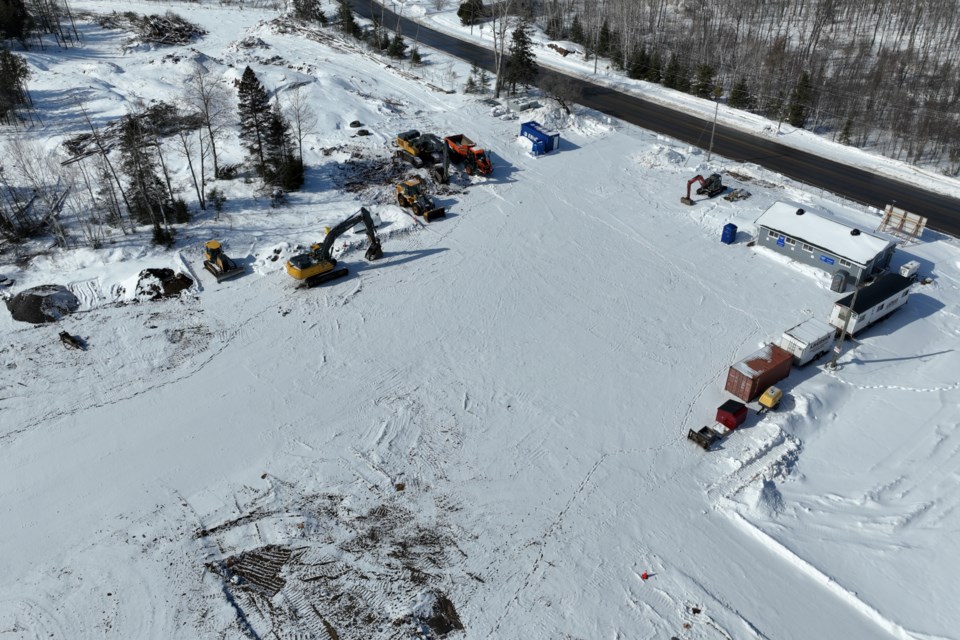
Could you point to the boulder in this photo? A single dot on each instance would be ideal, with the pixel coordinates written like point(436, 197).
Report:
point(46, 303)
point(155, 284)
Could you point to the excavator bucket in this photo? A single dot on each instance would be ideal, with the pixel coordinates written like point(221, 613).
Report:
point(436, 212)
point(374, 251)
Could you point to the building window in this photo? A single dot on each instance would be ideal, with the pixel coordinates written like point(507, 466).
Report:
point(791, 241)
point(807, 247)
point(881, 306)
point(845, 263)
point(772, 234)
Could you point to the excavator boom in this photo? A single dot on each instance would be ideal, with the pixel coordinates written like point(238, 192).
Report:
point(318, 266)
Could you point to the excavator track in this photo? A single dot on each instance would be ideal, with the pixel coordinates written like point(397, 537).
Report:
point(317, 280)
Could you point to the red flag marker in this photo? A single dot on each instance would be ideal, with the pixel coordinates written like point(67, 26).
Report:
point(644, 576)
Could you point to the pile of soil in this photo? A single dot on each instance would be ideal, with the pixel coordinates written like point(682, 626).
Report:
point(155, 284)
point(46, 303)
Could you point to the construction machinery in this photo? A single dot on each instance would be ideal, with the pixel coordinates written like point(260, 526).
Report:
point(317, 266)
point(218, 263)
point(711, 186)
point(463, 149)
point(770, 399)
point(411, 193)
point(419, 149)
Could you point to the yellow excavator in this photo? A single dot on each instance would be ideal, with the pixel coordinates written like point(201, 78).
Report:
point(218, 263)
point(317, 266)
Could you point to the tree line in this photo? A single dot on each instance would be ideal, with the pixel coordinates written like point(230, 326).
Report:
point(878, 74)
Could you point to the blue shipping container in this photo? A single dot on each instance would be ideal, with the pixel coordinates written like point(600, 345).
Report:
point(729, 235)
point(543, 141)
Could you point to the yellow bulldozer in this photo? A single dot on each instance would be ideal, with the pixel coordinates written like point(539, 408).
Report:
point(412, 194)
point(218, 263)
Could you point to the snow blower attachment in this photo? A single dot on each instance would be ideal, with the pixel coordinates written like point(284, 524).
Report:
point(411, 193)
point(317, 266)
point(216, 262)
point(711, 186)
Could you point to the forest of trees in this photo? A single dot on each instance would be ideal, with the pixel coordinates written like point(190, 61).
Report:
point(881, 74)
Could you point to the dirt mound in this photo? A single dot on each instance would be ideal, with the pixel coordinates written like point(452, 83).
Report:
point(155, 284)
point(46, 303)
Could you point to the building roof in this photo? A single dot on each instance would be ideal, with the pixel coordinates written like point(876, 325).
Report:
point(824, 232)
point(766, 358)
point(886, 286)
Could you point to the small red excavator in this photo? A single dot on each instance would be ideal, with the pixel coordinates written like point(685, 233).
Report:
point(711, 186)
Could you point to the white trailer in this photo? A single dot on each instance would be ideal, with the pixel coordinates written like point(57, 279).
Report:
point(873, 303)
point(808, 340)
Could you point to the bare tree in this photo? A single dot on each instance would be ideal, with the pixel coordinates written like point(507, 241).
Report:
point(302, 117)
point(501, 14)
point(186, 149)
point(211, 100)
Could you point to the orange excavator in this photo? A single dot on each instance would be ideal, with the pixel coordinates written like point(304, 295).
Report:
point(711, 186)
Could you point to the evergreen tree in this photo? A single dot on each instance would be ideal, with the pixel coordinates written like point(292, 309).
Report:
point(254, 110)
point(483, 80)
point(471, 85)
point(398, 47)
point(847, 130)
point(148, 196)
point(14, 72)
point(554, 27)
point(603, 39)
point(283, 167)
point(639, 65)
point(308, 11)
point(703, 81)
point(655, 71)
point(415, 57)
point(774, 106)
point(672, 72)
point(470, 12)
point(521, 67)
point(799, 108)
point(683, 77)
point(576, 30)
point(348, 24)
point(740, 97)
point(15, 20)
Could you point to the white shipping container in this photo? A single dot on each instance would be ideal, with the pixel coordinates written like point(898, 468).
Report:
point(808, 340)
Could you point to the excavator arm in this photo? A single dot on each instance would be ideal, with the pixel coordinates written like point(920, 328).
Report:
point(374, 251)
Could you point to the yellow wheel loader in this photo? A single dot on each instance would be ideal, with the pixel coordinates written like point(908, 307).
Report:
point(411, 193)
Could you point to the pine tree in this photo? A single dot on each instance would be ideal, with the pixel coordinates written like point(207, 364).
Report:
point(521, 67)
point(740, 97)
point(799, 108)
point(307, 10)
point(254, 110)
point(672, 72)
point(14, 72)
point(703, 81)
point(847, 130)
point(639, 65)
point(576, 30)
point(470, 12)
point(603, 39)
point(398, 47)
point(348, 24)
point(483, 81)
point(415, 57)
point(15, 20)
point(655, 71)
point(470, 86)
point(148, 196)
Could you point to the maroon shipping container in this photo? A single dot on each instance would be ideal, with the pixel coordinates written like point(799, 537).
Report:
point(751, 376)
point(731, 414)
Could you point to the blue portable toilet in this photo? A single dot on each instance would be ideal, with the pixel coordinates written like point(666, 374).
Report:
point(729, 234)
point(544, 141)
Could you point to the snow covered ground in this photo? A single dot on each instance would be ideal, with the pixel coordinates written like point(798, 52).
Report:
point(493, 417)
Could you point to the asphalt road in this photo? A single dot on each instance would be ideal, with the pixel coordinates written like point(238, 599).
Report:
point(943, 212)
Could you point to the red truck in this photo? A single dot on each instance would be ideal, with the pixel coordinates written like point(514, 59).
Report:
point(463, 149)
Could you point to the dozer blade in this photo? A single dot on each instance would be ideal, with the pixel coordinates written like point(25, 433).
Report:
point(439, 212)
point(223, 274)
point(686, 200)
point(704, 438)
point(317, 280)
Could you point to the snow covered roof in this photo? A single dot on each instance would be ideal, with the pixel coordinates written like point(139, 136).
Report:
point(810, 330)
point(883, 288)
point(823, 232)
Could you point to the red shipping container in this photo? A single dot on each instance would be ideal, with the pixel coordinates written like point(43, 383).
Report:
point(751, 376)
point(731, 414)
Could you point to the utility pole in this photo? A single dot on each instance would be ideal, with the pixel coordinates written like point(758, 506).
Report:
point(596, 40)
point(838, 347)
point(716, 112)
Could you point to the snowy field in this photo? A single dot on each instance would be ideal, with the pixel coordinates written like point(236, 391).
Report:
point(485, 429)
